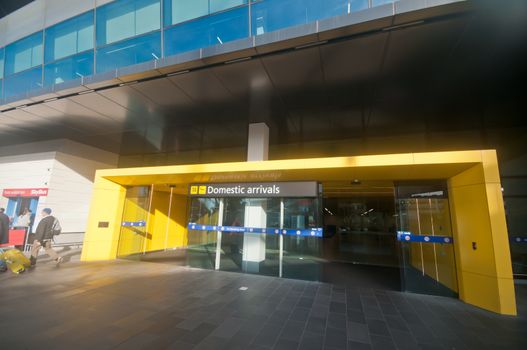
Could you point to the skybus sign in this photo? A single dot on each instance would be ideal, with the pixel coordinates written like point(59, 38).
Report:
point(256, 190)
point(25, 192)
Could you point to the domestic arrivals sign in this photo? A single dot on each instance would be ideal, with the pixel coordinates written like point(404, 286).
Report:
point(256, 190)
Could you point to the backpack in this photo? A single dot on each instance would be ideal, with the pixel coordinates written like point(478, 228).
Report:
point(56, 229)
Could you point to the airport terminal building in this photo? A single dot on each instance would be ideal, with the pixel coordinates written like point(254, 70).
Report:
point(359, 142)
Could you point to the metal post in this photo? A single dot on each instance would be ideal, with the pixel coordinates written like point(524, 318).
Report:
point(420, 244)
point(281, 249)
point(218, 236)
point(168, 216)
point(433, 234)
point(148, 217)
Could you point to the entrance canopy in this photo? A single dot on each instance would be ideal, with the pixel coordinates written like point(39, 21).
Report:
point(408, 166)
point(478, 218)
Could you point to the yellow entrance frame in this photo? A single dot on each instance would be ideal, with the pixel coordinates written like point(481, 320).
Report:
point(478, 215)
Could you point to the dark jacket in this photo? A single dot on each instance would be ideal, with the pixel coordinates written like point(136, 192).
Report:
point(4, 228)
point(45, 229)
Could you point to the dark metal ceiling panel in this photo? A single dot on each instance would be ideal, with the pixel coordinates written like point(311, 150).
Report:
point(164, 93)
point(244, 78)
point(353, 60)
point(102, 105)
point(202, 86)
point(82, 118)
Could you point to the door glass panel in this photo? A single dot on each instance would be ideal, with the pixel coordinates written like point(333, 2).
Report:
point(302, 255)
point(245, 251)
point(423, 213)
point(201, 250)
point(134, 220)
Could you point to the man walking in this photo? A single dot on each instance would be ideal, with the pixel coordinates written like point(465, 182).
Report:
point(46, 229)
point(4, 227)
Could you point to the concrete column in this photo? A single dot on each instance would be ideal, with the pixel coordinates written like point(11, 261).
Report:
point(258, 142)
point(255, 211)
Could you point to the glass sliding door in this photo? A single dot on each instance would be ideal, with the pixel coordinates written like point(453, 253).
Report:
point(134, 223)
point(425, 233)
point(201, 248)
point(302, 254)
point(267, 236)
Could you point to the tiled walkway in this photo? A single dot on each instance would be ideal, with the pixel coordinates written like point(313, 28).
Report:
point(134, 305)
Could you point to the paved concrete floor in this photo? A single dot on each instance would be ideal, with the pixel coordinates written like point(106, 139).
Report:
point(138, 305)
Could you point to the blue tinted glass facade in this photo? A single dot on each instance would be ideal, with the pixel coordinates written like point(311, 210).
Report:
point(128, 52)
point(177, 11)
point(125, 19)
point(207, 31)
point(73, 67)
point(69, 38)
point(23, 54)
point(270, 15)
point(128, 32)
point(22, 83)
point(1, 63)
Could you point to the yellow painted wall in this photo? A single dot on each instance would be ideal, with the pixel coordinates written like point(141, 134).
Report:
point(100, 243)
point(478, 215)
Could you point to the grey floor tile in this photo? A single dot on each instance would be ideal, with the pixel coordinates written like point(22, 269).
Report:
point(377, 327)
point(358, 332)
point(335, 338)
point(354, 345)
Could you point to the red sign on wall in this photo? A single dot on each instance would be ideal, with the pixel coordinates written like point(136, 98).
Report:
point(25, 192)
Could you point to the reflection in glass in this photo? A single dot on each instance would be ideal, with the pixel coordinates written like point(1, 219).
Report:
point(428, 268)
point(270, 15)
point(207, 31)
point(128, 52)
point(23, 54)
point(69, 38)
point(124, 19)
point(70, 68)
point(1, 64)
point(22, 83)
point(201, 251)
point(136, 209)
point(178, 11)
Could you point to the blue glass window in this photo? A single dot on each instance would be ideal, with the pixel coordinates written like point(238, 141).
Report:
point(207, 31)
point(73, 67)
point(22, 83)
point(69, 38)
point(124, 19)
point(128, 52)
point(271, 15)
point(1, 64)
point(23, 54)
point(177, 11)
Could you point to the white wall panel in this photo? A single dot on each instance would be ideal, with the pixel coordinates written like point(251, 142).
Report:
point(27, 20)
point(60, 10)
point(40, 14)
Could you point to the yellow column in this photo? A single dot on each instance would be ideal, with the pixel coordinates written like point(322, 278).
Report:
point(478, 215)
point(100, 242)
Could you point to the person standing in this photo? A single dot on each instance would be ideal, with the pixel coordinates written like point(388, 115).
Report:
point(43, 235)
point(24, 219)
point(4, 227)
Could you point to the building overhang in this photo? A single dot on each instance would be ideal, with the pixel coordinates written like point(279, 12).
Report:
point(407, 166)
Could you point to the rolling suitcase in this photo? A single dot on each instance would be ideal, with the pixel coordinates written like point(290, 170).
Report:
point(3, 266)
point(15, 260)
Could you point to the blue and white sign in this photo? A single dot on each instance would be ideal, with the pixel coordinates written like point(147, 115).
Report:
point(133, 224)
point(314, 232)
point(405, 236)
